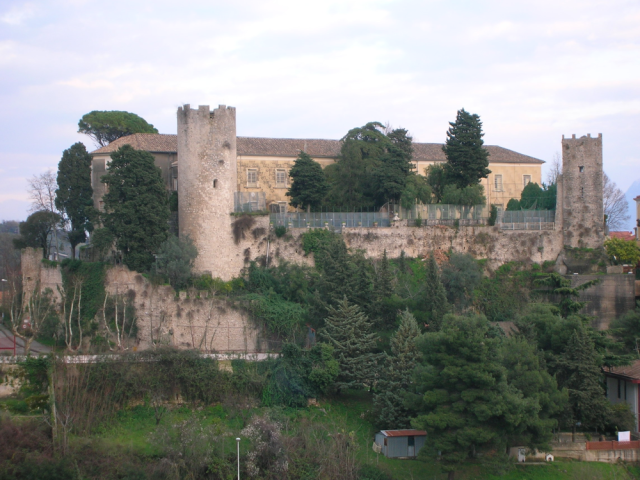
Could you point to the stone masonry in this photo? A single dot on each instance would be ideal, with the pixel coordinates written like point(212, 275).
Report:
point(208, 181)
point(582, 209)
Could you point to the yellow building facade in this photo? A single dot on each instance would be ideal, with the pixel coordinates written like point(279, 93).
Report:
point(264, 164)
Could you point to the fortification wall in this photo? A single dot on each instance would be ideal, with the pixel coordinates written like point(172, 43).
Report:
point(611, 298)
point(495, 245)
point(194, 320)
point(34, 272)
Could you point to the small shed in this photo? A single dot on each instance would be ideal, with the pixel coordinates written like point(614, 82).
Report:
point(400, 443)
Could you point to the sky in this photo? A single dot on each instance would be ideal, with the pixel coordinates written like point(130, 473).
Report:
point(533, 71)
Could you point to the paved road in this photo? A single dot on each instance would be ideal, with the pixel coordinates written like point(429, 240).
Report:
point(6, 340)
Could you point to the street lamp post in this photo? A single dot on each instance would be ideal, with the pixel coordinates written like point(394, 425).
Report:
point(238, 442)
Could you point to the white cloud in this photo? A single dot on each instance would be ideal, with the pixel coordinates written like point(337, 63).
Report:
point(18, 14)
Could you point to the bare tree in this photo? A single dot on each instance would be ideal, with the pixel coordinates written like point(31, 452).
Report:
point(72, 308)
point(555, 169)
point(42, 193)
point(616, 207)
point(28, 311)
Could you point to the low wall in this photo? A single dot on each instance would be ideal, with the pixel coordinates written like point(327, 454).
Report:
point(491, 243)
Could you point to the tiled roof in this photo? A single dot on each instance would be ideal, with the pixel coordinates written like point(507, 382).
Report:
point(290, 147)
point(622, 235)
point(151, 142)
point(402, 433)
point(630, 371)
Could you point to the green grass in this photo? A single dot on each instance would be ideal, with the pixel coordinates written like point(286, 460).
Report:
point(130, 431)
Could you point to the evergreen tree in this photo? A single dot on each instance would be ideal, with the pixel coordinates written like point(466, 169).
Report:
point(348, 330)
point(435, 296)
point(175, 260)
point(36, 231)
point(526, 371)
point(396, 380)
point(436, 179)
point(106, 126)
point(560, 286)
point(466, 404)
point(74, 195)
point(394, 167)
point(382, 291)
point(308, 183)
point(136, 206)
point(579, 372)
point(467, 159)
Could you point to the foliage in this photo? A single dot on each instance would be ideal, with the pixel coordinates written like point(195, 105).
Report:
point(36, 230)
point(348, 330)
point(74, 195)
point(316, 239)
point(469, 196)
point(434, 299)
point(281, 317)
point(622, 251)
point(106, 126)
point(493, 216)
point(383, 288)
point(308, 183)
point(467, 404)
point(136, 206)
point(436, 179)
point(173, 201)
point(626, 330)
point(280, 231)
point(558, 285)
point(416, 190)
point(102, 241)
point(502, 295)
point(467, 159)
point(397, 377)
point(579, 372)
point(301, 374)
point(460, 276)
point(534, 197)
point(175, 260)
point(394, 167)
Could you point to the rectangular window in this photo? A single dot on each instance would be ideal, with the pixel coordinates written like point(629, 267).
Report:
point(175, 184)
point(498, 183)
point(252, 177)
point(526, 180)
point(281, 178)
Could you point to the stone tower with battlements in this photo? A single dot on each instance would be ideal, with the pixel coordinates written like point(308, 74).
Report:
point(582, 203)
point(206, 186)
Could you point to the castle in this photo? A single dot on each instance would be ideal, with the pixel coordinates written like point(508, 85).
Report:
point(214, 164)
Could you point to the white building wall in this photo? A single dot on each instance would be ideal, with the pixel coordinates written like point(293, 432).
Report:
point(627, 393)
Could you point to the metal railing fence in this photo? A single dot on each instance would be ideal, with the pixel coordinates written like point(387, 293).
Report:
point(249, 202)
point(333, 220)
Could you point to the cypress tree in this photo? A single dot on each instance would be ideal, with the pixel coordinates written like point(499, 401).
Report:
point(388, 401)
point(74, 195)
point(467, 159)
point(136, 206)
point(435, 295)
point(348, 330)
point(382, 290)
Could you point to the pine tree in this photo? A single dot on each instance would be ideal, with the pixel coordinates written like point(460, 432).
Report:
point(394, 167)
point(435, 295)
point(74, 195)
point(308, 183)
point(388, 401)
point(579, 373)
point(348, 330)
point(136, 206)
point(467, 159)
point(383, 290)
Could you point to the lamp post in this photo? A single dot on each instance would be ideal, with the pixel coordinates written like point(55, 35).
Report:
point(238, 442)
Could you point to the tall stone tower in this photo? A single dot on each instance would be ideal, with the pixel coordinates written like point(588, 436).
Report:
point(582, 204)
point(207, 181)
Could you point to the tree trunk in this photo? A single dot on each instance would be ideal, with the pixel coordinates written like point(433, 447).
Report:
point(452, 475)
point(309, 208)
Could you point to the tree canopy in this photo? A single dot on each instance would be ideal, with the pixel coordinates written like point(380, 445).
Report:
point(74, 195)
point(136, 208)
point(467, 159)
point(36, 231)
point(106, 126)
point(308, 183)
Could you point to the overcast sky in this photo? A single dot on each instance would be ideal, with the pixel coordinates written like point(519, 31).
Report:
point(533, 71)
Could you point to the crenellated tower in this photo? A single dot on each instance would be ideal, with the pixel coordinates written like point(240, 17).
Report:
point(206, 186)
point(582, 203)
